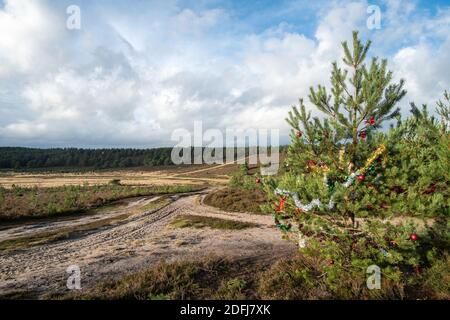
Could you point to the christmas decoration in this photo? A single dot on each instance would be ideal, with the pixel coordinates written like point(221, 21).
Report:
point(385, 253)
point(413, 237)
point(298, 203)
point(371, 121)
point(280, 207)
point(418, 270)
point(316, 202)
point(299, 134)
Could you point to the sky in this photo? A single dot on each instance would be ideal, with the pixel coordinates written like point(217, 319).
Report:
point(137, 70)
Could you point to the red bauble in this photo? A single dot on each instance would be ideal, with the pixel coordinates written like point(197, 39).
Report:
point(258, 181)
point(371, 121)
point(299, 134)
point(363, 135)
point(331, 262)
point(361, 177)
point(431, 189)
point(413, 237)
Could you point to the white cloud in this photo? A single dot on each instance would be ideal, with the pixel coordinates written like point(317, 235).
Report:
point(426, 69)
point(117, 83)
point(27, 36)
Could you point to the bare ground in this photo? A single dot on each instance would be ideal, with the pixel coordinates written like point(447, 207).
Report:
point(138, 241)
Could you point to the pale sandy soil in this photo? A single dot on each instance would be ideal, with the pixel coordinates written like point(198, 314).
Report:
point(139, 241)
point(25, 229)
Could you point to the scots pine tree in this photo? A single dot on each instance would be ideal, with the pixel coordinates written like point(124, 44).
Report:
point(354, 195)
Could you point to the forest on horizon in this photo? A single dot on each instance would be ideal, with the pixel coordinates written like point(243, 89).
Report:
point(33, 158)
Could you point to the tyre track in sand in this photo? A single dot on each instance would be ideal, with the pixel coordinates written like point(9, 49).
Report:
point(137, 242)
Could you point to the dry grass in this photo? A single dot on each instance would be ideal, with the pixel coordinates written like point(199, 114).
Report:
point(296, 278)
point(212, 278)
point(436, 283)
point(27, 203)
point(303, 278)
point(237, 200)
point(199, 222)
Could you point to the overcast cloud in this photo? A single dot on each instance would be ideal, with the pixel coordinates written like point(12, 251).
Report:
point(137, 70)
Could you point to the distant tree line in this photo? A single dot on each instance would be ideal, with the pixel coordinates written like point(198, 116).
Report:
point(22, 158)
point(30, 158)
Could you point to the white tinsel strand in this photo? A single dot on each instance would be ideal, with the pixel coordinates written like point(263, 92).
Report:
point(315, 202)
point(298, 204)
point(351, 179)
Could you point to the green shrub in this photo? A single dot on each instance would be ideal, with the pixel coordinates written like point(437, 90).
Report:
point(52, 208)
point(115, 182)
point(243, 180)
point(377, 197)
point(70, 201)
point(233, 289)
point(2, 194)
point(237, 200)
point(18, 190)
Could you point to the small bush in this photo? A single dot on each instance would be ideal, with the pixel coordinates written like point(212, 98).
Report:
point(306, 277)
point(199, 222)
point(436, 280)
point(292, 279)
point(2, 195)
point(237, 200)
point(115, 182)
point(52, 208)
point(18, 191)
point(70, 202)
point(233, 289)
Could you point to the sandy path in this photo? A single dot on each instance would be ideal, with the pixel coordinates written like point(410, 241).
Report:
point(139, 242)
point(28, 229)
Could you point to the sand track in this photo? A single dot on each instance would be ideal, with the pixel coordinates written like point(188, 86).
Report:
point(139, 241)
